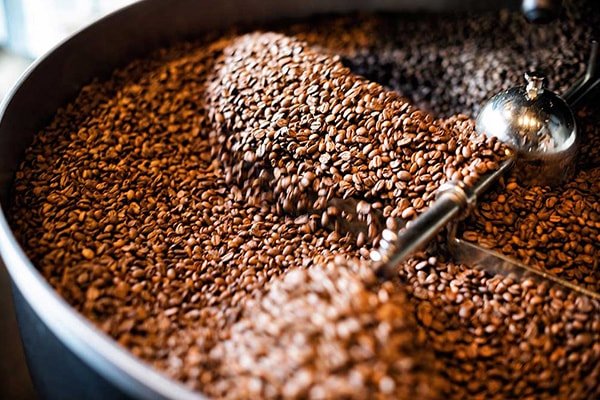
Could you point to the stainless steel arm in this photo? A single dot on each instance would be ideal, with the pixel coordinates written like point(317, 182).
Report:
point(588, 82)
point(453, 199)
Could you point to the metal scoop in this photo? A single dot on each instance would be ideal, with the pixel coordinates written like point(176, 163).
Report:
point(540, 129)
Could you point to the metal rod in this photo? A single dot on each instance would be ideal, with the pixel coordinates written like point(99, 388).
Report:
point(396, 247)
point(493, 262)
point(453, 199)
point(587, 82)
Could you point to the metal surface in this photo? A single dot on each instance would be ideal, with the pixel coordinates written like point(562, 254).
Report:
point(15, 382)
point(541, 11)
point(493, 262)
point(395, 247)
point(589, 82)
point(538, 125)
point(55, 79)
point(66, 369)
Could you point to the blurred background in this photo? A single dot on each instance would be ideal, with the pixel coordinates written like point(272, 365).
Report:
point(29, 28)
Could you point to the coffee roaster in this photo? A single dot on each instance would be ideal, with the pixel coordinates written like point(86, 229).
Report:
point(68, 356)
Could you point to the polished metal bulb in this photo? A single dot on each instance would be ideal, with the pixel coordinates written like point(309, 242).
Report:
point(538, 125)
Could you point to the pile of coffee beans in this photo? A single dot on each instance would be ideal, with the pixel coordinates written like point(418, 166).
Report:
point(298, 122)
point(555, 229)
point(501, 338)
point(330, 331)
point(150, 206)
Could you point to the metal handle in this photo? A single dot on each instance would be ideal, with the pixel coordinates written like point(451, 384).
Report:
point(395, 247)
point(453, 199)
point(587, 83)
point(493, 262)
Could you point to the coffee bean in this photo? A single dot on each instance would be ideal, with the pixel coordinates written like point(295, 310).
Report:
point(88, 253)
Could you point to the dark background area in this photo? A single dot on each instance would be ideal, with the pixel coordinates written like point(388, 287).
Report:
point(14, 378)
